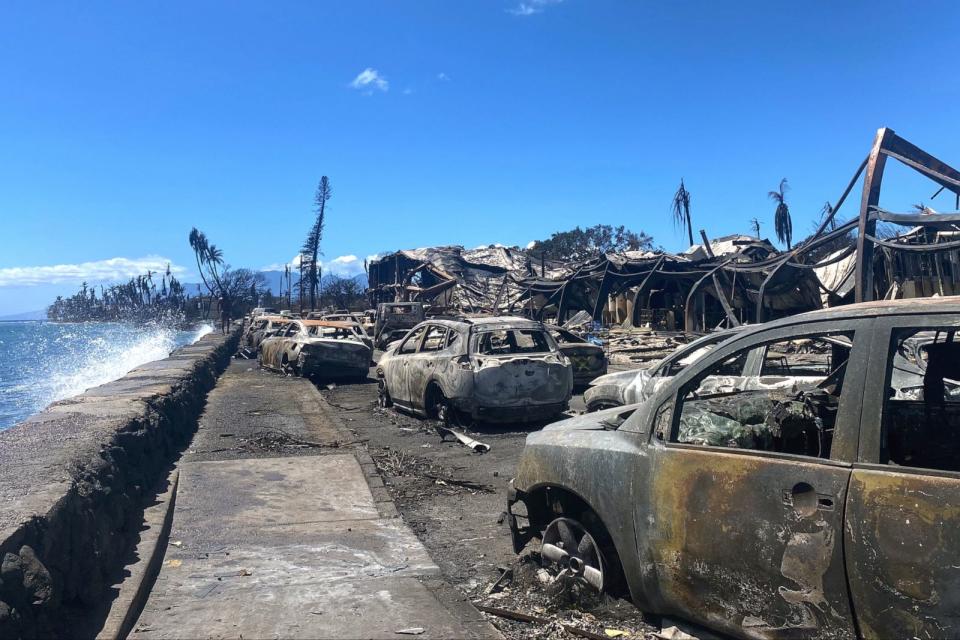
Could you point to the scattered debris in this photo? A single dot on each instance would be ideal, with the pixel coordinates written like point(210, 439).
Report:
point(401, 464)
point(526, 617)
point(276, 439)
point(476, 445)
point(506, 576)
point(673, 633)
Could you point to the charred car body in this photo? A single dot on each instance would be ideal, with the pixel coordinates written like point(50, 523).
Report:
point(317, 348)
point(486, 369)
point(394, 319)
point(352, 320)
point(636, 385)
point(829, 511)
point(261, 327)
point(587, 359)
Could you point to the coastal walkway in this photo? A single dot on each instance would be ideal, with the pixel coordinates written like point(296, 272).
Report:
point(282, 528)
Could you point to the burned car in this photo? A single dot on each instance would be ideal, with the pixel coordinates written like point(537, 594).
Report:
point(262, 311)
point(394, 320)
point(587, 359)
point(485, 369)
point(351, 319)
point(636, 385)
point(317, 348)
point(825, 511)
point(262, 327)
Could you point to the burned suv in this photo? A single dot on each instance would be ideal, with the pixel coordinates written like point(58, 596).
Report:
point(828, 509)
point(485, 369)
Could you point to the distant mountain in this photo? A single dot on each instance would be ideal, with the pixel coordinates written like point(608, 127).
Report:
point(26, 315)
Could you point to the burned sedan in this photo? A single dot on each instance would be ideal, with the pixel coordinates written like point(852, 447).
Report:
point(587, 359)
point(485, 369)
point(262, 327)
point(828, 510)
point(317, 348)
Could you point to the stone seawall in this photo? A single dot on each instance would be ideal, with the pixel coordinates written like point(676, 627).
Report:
point(73, 479)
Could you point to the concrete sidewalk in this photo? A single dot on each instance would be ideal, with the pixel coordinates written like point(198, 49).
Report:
point(293, 545)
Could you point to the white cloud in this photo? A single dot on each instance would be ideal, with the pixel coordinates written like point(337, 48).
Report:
point(407, 91)
point(370, 79)
point(443, 77)
point(344, 266)
point(108, 270)
point(531, 7)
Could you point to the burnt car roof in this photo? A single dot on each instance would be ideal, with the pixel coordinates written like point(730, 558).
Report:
point(911, 306)
point(487, 322)
point(327, 323)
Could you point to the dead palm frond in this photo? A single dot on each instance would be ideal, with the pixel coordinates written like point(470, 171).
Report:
point(681, 210)
point(781, 217)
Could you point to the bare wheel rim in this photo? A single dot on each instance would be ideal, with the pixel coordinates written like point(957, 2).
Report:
point(568, 546)
point(443, 412)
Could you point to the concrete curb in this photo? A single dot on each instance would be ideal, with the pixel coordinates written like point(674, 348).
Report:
point(135, 589)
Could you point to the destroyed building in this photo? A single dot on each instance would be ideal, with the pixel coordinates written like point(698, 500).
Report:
point(726, 281)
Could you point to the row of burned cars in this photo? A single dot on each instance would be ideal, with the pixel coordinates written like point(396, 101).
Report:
point(495, 369)
point(793, 479)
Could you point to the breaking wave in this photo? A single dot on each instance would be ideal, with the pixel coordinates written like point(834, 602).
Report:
point(42, 362)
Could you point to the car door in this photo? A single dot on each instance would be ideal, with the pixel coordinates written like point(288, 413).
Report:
point(279, 345)
point(903, 507)
point(398, 369)
point(420, 365)
point(742, 523)
point(270, 343)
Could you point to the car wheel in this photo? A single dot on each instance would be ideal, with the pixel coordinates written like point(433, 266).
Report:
point(569, 547)
point(439, 408)
point(383, 394)
point(298, 368)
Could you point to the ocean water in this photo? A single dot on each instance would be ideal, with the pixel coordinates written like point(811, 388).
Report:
point(42, 362)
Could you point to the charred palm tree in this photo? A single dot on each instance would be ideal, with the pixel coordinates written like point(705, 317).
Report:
point(681, 210)
point(311, 246)
point(781, 217)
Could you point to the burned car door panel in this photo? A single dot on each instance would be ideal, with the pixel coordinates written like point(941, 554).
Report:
point(903, 507)
point(744, 517)
point(397, 369)
point(421, 365)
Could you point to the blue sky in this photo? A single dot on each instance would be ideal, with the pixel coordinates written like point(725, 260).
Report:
point(439, 122)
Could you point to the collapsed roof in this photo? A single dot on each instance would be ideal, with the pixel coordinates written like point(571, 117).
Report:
point(725, 281)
